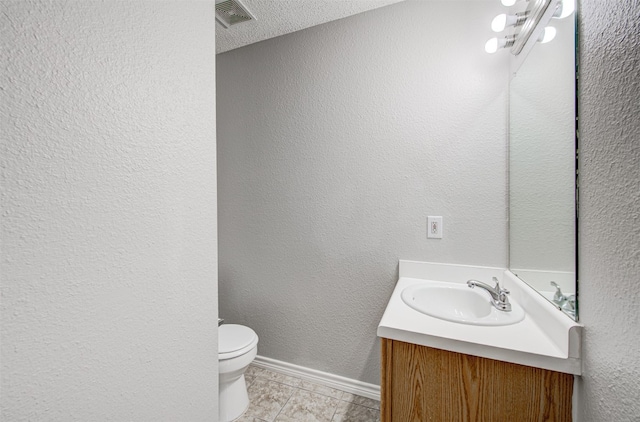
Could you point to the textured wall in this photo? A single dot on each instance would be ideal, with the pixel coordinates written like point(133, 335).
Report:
point(335, 143)
point(108, 211)
point(609, 246)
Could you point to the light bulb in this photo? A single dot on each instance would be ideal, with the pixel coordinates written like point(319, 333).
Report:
point(491, 46)
point(547, 35)
point(496, 43)
point(565, 8)
point(499, 23)
point(508, 2)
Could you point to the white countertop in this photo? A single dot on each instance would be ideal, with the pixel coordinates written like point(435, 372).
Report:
point(546, 338)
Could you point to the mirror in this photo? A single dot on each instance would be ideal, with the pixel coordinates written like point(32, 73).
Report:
point(542, 167)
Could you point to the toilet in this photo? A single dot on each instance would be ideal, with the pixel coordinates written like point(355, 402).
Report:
point(237, 347)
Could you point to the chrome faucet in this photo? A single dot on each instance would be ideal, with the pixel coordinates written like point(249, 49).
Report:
point(499, 297)
point(558, 298)
point(565, 303)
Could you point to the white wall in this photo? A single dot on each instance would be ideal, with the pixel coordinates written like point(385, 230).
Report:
point(109, 273)
point(335, 144)
point(609, 226)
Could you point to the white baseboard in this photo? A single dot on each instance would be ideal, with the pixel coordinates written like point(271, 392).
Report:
point(349, 385)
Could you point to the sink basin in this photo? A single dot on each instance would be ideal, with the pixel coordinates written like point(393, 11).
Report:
point(459, 303)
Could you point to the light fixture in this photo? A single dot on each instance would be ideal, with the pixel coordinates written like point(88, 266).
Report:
point(495, 43)
point(564, 9)
point(503, 20)
point(526, 23)
point(547, 35)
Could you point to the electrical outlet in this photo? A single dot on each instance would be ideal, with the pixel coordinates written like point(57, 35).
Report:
point(434, 227)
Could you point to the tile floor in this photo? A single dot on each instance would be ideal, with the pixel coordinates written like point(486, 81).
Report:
point(277, 397)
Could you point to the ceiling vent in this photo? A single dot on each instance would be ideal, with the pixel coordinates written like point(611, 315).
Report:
point(231, 12)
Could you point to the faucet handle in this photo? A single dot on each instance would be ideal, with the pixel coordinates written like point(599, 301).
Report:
point(503, 303)
point(569, 305)
point(499, 289)
point(558, 297)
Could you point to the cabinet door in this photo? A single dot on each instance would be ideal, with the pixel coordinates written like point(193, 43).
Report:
point(424, 384)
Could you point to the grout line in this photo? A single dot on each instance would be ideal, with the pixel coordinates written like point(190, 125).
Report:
point(285, 403)
point(334, 413)
point(359, 404)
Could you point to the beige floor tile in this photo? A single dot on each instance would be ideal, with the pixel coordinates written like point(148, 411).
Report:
point(320, 389)
point(362, 401)
point(254, 371)
point(305, 406)
point(281, 378)
point(248, 379)
point(267, 398)
point(351, 412)
point(278, 397)
point(245, 418)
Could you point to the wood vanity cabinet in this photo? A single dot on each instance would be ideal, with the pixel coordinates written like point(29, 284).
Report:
point(421, 383)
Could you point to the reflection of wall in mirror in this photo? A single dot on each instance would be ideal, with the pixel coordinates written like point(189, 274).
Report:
point(542, 151)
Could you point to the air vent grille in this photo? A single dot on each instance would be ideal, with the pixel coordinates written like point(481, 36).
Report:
point(231, 12)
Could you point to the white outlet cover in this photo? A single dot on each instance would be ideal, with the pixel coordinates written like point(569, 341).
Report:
point(434, 227)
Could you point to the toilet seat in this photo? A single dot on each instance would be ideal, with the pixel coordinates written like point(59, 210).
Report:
point(235, 340)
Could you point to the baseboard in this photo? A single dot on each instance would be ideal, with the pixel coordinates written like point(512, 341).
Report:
point(349, 385)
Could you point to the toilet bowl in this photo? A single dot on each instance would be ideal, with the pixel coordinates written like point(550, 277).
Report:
point(237, 347)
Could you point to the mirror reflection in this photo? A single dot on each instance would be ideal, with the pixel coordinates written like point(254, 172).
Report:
point(542, 157)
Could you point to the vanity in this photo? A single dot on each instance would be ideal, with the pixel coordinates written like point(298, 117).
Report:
point(452, 353)
point(454, 349)
point(441, 370)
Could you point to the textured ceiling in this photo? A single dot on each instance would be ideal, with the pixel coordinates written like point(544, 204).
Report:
point(279, 17)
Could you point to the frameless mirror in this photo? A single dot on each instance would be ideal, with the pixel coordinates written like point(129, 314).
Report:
point(542, 168)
